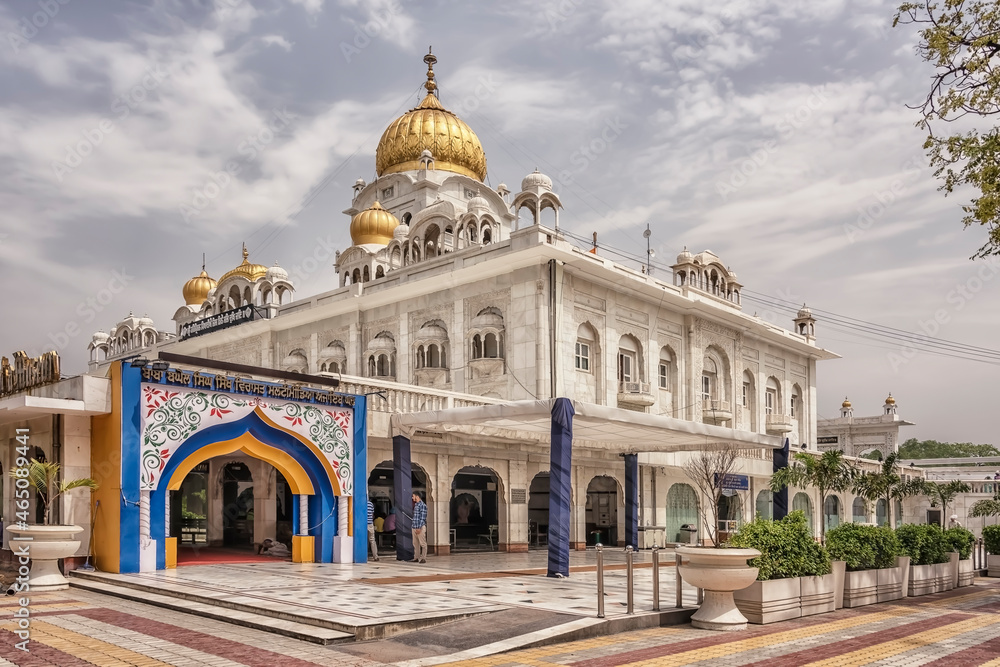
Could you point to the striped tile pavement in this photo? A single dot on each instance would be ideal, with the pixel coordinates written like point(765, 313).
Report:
point(955, 629)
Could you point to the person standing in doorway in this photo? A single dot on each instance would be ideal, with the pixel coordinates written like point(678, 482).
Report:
point(419, 529)
point(371, 529)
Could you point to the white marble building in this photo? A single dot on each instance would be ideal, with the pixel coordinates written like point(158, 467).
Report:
point(444, 299)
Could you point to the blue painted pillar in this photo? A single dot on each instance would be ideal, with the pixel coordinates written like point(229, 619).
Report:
point(360, 534)
point(780, 498)
point(560, 486)
point(402, 496)
point(632, 500)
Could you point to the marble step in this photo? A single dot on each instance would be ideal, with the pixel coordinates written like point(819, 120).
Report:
point(302, 631)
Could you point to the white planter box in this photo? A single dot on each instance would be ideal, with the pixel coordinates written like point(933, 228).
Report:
point(922, 580)
point(903, 563)
point(993, 566)
point(818, 594)
point(952, 571)
point(860, 588)
point(769, 601)
point(966, 575)
point(890, 584)
point(839, 572)
point(942, 577)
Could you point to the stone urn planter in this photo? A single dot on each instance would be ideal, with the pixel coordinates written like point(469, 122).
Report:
point(966, 575)
point(719, 572)
point(46, 546)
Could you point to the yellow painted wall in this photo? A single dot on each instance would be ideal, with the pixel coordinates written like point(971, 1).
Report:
point(105, 465)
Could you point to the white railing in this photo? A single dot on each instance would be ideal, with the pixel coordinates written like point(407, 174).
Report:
point(708, 405)
point(633, 387)
point(406, 397)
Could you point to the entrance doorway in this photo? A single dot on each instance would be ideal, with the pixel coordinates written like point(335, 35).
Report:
point(538, 512)
point(380, 490)
point(602, 511)
point(237, 506)
point(474, 513)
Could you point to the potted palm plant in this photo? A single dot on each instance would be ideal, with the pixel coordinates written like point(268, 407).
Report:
point(47, 543)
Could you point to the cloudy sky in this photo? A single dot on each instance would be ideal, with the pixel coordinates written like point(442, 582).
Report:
point(774, 133)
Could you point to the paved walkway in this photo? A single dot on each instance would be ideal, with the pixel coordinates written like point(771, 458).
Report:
point(78, 627)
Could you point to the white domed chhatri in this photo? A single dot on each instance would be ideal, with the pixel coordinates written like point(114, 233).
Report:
point(536, 180)
point(276, 273)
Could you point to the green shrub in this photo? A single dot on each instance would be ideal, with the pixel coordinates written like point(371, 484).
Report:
point(925, 544)
point(991, 538)
point(786, 546)
point(961, 540)
point(863, 547)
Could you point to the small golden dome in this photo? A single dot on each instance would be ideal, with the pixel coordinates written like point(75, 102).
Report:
point(196, 290)
point(430, 127)
point(890, 400)
point(373, 225)
point(252, 272)
point(846, 404)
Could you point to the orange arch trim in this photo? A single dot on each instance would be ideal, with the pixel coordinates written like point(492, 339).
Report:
point(293, 472)
point(311, 446)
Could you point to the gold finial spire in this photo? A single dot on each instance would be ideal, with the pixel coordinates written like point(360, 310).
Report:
point(430, 60)
point(202, 261)
point(246, 255)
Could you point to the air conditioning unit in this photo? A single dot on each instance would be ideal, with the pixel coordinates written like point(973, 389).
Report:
point(633, 388)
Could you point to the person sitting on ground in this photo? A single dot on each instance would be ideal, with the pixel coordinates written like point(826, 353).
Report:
point(271, 548)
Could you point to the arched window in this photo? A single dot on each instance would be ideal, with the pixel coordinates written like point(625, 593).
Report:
point(859, 511)
point(831, 511)
point(881, 512)
point(709, 380)
point(347, 278)
point(491, 347)
point(356, 276)
point(366, 276)
point(420, 356)
point(477, 347)
point(765, 504)
point(372, 368)
point(433, 359)
point(629, 359)
point(383, 365)
point(380, 272)
point(682, 508)
point(487, 236)
point(802, 502)
point(772, 397)
point(586, 338)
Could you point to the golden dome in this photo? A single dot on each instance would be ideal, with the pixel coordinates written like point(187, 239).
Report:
point(252, 272)
point(846, 404)
point(890, 400)
point(430, 127)
point(373, 225)
point(196, 290)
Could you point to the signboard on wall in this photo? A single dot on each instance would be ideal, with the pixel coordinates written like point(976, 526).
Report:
point(733, 482)
point(218, 322)
point(828, 440)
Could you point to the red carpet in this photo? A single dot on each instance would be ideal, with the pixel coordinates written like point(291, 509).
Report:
point(209, 555)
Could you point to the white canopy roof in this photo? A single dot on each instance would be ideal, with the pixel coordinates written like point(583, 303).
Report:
point(595, 426)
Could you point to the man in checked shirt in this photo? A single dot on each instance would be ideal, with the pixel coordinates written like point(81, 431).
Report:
point(419, 529)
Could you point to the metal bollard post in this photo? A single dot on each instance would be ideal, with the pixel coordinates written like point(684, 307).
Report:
point(628, 577)
point(680, 582)
point(600, 581)
point(656, 578)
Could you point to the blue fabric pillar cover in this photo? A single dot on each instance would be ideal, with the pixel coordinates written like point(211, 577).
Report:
point(402, 496)
point(360, 519)
point(632, 500)
point(560, 486)
point(781, 497)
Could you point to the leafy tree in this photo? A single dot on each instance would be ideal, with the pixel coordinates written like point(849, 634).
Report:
point(932, 449)
point(828, 472)
point(944, 492)
point(886, 484)
point(961, 39)
point(985, 508)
